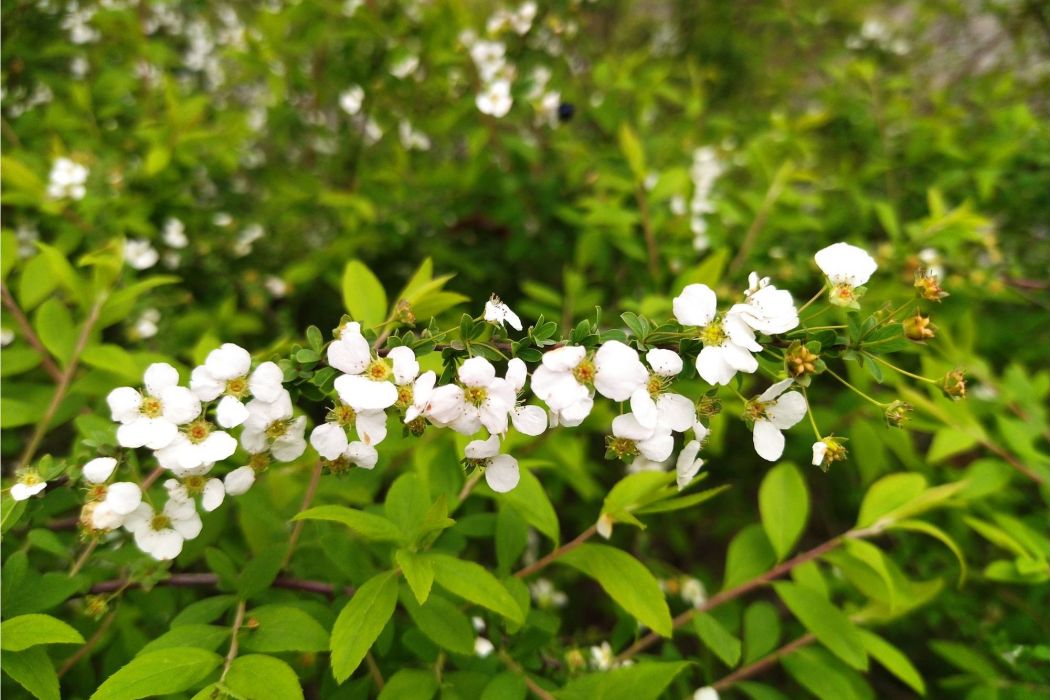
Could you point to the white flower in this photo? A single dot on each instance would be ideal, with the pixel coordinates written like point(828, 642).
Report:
point(330, 439)
point(480, 399)
point(351, 99)
point(489, 59)
point(495, 99)
point(498, 313)
point(421, 391)
point(122, 498)
point(365, 384)
point(195, 449)
point(361, 455)
point(140, 254)
point(483, 647)
point(562, 380)
point(688, 463)
point(404, 67)
point(145, 325)
point(99, 469)
point(225, 373)
point(706, 693)
point(239, 481)
point(7, 336)
point(772, 412)
point(602, 657)
point(820, 448)
point(768, 310)
point(527, 420)
point(653, 405)
point(501, 471)
point(271, 427)
point(655, 442)
point(175, 234)
point(693, 592)
point(66, 179)
point(546, 595)
point(152, 420)
point(161, 534)
point(728, 341)
point(846, 267)
point(29, 484)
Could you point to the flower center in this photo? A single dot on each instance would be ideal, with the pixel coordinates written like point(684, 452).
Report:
point(655, 385)
point(237, 387)
point(259, 462)
point(160, 522)
point(97, 492)
point(276, 429)
point(151, 407)
point(585, 372)
point(378, 371)
point(194, 484)
point(713, 334)
point(621, 448)
point(475, 395)
point(755, 410)
point(417, 426)
point(343, 415)
point(843, 294)
point(405, 395)
point(198, 431)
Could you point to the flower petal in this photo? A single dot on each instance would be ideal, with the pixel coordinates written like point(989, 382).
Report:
point(695, 306)
point(124, 404)
point(230, 412)
point(788, 410)
point(350, 353)
point(687, 464)
point(517, 373)
point(564, 358)
point(501, 474)
point(159, 376)
point(371, 427)
point(239, 481)
point(643, 407)
point(712, 366)
point(228, 361)
point(618, 371)
point(364, 394)
point(123, 497)
point(406, 367)
point(266, 382)
point(180, 404)
point(213, 494)
point(769, 441)
point(529, 420)
point(204, 385)
point(364, 456)
point(477, 371)
point(99, 469)
point(666, 363)
point(675, 412)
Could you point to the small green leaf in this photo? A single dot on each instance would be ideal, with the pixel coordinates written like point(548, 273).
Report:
point(258, 677)
point(632, 151)
point(893, 660)
point(444, 623)
point(368, 525)
point(830, 626)
point(627, 582)
point(158, 673)
point(33, 670)
point(472, 582)
point(783, 501)
point(716, 638)
point(887, 494)
point(276, 628)
point(749, 554)
point(363, 294)
point(26, 631)
point(532, 502)
point(643, 681)
point(761, 630)
point(418, 571)
point(208, 637)
point(938, 534)
point(54, 325)
point(360, 622)
point(410, 683)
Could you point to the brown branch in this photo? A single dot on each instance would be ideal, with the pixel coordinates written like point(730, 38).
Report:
point(737, 591)
point(91, 643)
point(189, 580)
point(532, 685)
point(238, 620)
point(554, 555)
point(297, 529)
point(374, 672)
point(30, 335)
point(763, 663)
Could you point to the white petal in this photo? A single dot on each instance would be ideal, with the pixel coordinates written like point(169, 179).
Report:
point(204, 385)
point(364, 456)
point(163, 545)
point(350, 353)
point(290, 446)
point(266, 382)
point(820, 448)
point(159, 376)
point(446, 404)
point(687, 464)
point(139, 518)
point(658, 447)
point(666, 363)
point(775, 390)
point(643, 407)
point(564, 358)
point(843, 263)
point(103, 517)
point(558, 388)
point(627, 426)
point(188, 526)
point(217, 446)
point(477, 371)
point(21, 492)
point(371, 427)
point(239, 481)
point(155, 433)
point(228, 362)
point(501, 474)
point(675, 412)
point(405, 365)
point(769, 441)
point(713, 367)
point(618, 371)
point(483, 449)
point(740, 359)
point(468, 423)
point(529, 420)
point(740, 333)
point(124, 404)
point(701, 431)
point(695, 306)
point(230, 412)
point(517, 373)
point(789, 409)
point(574, 414)
point(99, 469)
point(254, 441)
point(213, 495)
point(180, 404)
point(364, 394)
point(123, 497)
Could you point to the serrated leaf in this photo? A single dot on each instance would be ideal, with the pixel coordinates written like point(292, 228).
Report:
point(276, 628)
point(258, 677)
point(443, 623)
point(158, 673)
point(360, 622)
point(368, 525)
point(33, 670)
point(418, 571)
point(26, 631)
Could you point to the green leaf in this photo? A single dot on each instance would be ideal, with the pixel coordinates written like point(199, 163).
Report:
point(113, 359)
point(158, 673)
point(512, 535)
point(938, 534)
point(360, 622)
point(683, 502)
point(444, 623)
point(893, 660)
point(33, 670)
point(261, 570)
point(204, 611)
point(749, 555)
point(54, 325)
point(642, 681)
point(409, 683)
point(830, 626)
point(26, 631)
point(947, 442)
point(716, 638)
point(505, 686)
point(632, 151)
point(258, 677)
point(407, 504)
point(472, 582)
point(368, 525)
point(208, 637)
point(532, 502)
point(283, 628)
point(418, 571)
point(887, 494)
point(635, 491)
point(967, 660)
point(36, 282)
point(627, 582)
point(808, 669)
point(761, 630)
point(363, 294)
point(783, 501)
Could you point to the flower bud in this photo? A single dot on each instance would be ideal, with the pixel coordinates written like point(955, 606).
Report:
point(898, 413)
point(919, 328)
point(575, 660)
point(928, 286)
point(96, 606)
point(403, 313)
point(955, 384)
point(827, 450)
point(800, 360)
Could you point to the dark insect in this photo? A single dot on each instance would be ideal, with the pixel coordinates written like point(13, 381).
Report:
point(565, 111)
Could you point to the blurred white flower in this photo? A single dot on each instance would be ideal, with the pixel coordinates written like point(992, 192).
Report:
point(28, 485)
point(495, 99)
point(145, 325)
point(351, 99)
point(67, 179)
point(174, 234)
point(140, 253)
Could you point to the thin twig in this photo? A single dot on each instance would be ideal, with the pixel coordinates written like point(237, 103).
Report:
point(532, 685)
point(553, 556)
point(82, 559)
point(238, 620)
point(297, 529)
point(763, 663)
point(30, 335)
point(90, 644)
point(188, 580)
point(650, 239)
point(373, 671)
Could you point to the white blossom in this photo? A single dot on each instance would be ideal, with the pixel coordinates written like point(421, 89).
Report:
point(28, 485)
point(501, 471)
point(351, 99)
point(140, 254)
point(270, 427)
point(162, 534)
point(225, 373)
point(99, 469)
point(365, 383)
point(152, 419)
point(728, 340)
point(479, 399)
point(498, 313)
point(774, 411)
point(846, 267)
point(495, 99)
point(175, 234)
point(66, 180)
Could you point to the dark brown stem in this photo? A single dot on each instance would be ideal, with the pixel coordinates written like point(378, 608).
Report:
point(297, 529)
point(189, 580)
point(373, 671)
point(532, 685)
point(737, 591)
point(553, 556)
point(91, 643)
point(763, 663)
point(30, 335)
point(238, 620)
